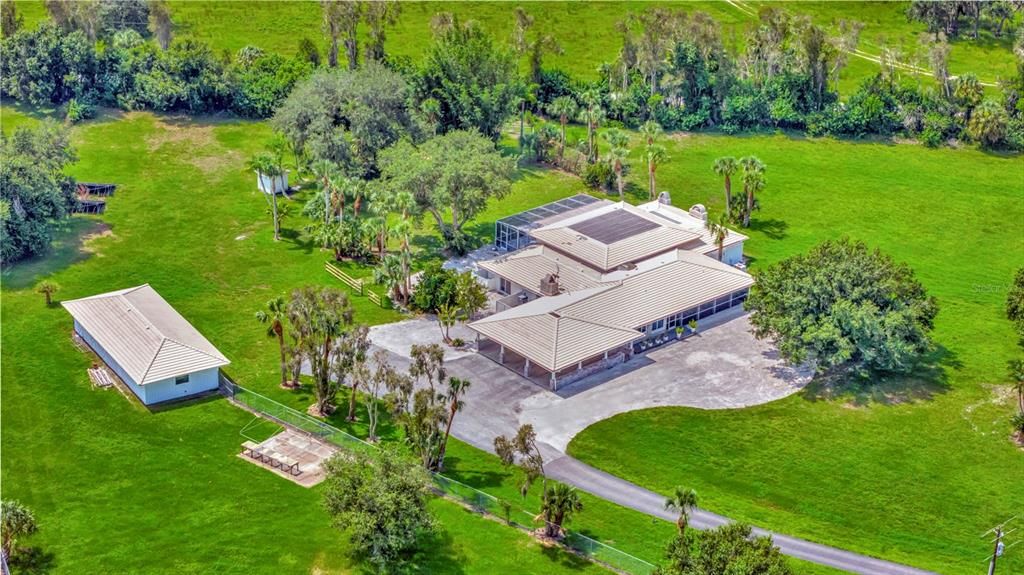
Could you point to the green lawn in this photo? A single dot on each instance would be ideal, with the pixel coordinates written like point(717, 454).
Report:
point(107, 478)
point(186, 218)
point(586, 30)
point(911, 470)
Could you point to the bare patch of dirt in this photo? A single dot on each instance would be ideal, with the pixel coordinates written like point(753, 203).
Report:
point(680, 136)
point(196, 135)
point(205, 153)
point(217, 162)
point(102, 230)
point(998, 395)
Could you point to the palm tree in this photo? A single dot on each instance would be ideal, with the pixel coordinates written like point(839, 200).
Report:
point(655, 155)
point(684, 501)
point(265, 167)
point(16, 520)
point(753, 182)
point(405, 203)
point(617, 156)
point(48, 288)
point(725, 167)
point(558, 504)
point(389, 274)
point(274, 316)
point(527, 95)
point(341, 186)
point(650, 130)
point(592, 115)
point(457, 388)
point(564, 107)
point(326, 174)
point(377, 227)
point(718, 230)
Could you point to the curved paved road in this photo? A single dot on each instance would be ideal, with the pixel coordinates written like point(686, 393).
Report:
point(606, 486)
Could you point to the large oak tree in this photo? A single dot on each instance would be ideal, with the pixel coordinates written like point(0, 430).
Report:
point(451, 177)
point(843, 305)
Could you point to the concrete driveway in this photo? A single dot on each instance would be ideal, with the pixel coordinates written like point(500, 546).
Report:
point(723, 367)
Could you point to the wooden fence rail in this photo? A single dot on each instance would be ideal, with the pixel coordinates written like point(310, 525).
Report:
point(357, 285)
point(348, 280)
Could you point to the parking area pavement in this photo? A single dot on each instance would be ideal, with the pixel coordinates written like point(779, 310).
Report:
point(722, 367)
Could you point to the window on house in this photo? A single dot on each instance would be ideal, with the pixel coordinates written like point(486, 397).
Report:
point(181, 379)
point(658, 326)
point(505, 286)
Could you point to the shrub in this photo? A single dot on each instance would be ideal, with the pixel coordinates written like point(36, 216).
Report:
point(599, 176)
point(555, 84)
point(262, 82)
point(1017, 421)
point(78, 111)
point(937, 129)
point(988, 125)
point(742, 112)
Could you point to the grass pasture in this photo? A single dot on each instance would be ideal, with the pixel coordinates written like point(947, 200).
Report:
point(186, 218)
point(912, 469)
point(98, 470)
point(586, 30)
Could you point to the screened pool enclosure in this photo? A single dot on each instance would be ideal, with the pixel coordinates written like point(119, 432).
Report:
point(513, 232)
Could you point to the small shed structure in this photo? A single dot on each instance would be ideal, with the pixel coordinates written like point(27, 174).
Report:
point(158, 354)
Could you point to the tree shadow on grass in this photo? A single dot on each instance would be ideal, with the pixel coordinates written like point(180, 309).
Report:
point(774, 229)
point(928, 379)
point(427, 249)
point(558, 555)
point(185, 403)
point(472, 477)
point(300, 242)
point(436, 554)
point(33, 561)
point(68, 247)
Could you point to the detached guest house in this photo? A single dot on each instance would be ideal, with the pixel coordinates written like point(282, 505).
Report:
point(590, 282)
point(142, 339)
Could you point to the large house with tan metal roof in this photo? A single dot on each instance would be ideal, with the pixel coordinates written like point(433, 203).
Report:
point(154, 350)
point(589, 282)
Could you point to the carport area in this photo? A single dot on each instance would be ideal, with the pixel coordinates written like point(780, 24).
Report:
point(522, 366)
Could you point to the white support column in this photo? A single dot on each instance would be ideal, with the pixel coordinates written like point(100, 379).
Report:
point(501, 354)
point(554, 382)
point(526, 368)
point(605, 354)
point(579, 366)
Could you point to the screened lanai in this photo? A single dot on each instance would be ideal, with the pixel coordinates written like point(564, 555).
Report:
point(513, 232)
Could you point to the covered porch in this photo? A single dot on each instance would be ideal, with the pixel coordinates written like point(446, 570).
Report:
point(543, 376)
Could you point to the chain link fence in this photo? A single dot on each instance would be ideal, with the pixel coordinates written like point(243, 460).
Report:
point(471, 496)
point(290, 417)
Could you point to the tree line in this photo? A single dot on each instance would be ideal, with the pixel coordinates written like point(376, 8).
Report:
point(674, 67)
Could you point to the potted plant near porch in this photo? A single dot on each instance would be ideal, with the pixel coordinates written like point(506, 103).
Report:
point(692, 324)
point(679, 332)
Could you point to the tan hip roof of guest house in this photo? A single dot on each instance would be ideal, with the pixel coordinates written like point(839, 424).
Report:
point(140, 331)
